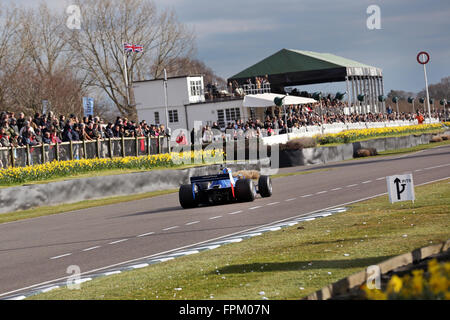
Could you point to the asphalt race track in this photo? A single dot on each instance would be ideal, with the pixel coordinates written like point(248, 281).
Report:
point(39, 250)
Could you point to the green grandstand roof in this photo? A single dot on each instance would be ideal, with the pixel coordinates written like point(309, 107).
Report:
point(290, 62)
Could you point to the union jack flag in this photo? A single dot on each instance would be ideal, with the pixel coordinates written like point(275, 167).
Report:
point(133, 47)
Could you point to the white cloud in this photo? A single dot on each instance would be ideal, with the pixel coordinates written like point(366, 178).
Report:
point(206, 28)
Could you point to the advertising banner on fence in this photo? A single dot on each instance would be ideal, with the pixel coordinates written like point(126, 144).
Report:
point(88, 106)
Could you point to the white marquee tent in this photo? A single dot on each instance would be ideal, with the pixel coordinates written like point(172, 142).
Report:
point(266, 100)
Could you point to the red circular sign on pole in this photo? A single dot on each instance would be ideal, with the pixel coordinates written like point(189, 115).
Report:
point(427, 57)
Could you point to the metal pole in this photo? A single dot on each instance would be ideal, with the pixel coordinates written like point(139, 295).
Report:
point(426, 87)
point(165, 98)
point(353, 94)
point(125, 70)
point(348, 93)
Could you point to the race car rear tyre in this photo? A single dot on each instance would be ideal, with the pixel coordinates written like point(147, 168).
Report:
point(265, 186)
point(186, 196)
point(245, 190)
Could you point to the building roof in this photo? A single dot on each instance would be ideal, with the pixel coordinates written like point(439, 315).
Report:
point(289, 67)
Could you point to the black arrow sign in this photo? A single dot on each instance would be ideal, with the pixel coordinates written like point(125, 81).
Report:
point(401, 189)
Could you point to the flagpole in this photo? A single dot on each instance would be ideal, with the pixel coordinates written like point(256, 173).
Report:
point(125, 56)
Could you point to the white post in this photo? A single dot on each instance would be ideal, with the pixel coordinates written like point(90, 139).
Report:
point(426, 88)
point(165, 99)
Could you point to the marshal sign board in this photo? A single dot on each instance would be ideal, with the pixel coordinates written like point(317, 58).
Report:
point(400, 188)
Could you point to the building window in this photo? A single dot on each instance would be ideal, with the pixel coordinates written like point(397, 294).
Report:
point(196, 88)
point(220, 118)
point(228, 115)
point(173, 116)
point(156, 117)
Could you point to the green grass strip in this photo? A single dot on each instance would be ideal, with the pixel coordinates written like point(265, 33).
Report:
point(290, 263)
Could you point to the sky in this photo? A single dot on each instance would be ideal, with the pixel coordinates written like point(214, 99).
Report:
point(232, 35)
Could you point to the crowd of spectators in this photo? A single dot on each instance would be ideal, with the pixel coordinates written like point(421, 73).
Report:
point(300, 116)
point(50, 129)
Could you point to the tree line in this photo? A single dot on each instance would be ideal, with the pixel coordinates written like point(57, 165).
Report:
point(42, 58)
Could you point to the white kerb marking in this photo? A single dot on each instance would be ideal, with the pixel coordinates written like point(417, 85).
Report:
point(138, 266)
point(112, 272)
point(50, 289)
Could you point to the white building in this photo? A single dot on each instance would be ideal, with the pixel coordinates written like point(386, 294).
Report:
point(186, 103)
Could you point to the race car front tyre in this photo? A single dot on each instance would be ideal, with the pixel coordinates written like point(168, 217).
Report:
point(265, 186)
point(186, 196)
point(245, 190)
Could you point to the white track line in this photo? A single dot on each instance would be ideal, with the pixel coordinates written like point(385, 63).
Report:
point(235, 212)
point(253, 208)
point(61, 256)
point(291, 199)
point(118, 241)
point(170, 228)
point(208, 241)
point(216, 217)
point(336, 189)
point(145, 234)
point(307, 195)
point(191, 223)
point(321, 192)
point(272, 203)
point(368, 181)
point(352, 185)
point(91, 248)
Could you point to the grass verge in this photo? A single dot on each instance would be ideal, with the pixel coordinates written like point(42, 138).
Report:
point(432, 131)
point(49, 210)
point(290, 263)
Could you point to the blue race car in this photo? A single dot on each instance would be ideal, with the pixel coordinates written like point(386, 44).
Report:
point(222, 188)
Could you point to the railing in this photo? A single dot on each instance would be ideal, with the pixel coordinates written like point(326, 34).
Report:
point(76, 150)
point(255, 89)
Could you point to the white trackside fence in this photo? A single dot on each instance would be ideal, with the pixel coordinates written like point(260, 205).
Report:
point(310, 131)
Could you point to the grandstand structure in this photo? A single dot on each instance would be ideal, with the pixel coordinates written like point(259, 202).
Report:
point(288, 68)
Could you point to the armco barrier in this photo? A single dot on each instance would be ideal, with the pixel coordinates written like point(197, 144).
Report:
point(319, 155)
point(76, 190)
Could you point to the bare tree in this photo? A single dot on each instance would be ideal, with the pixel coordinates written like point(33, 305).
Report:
point(106, 26)
point(11, 52)
point(189, 66)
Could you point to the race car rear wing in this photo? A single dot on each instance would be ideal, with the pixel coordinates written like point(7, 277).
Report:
point(213, 177)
